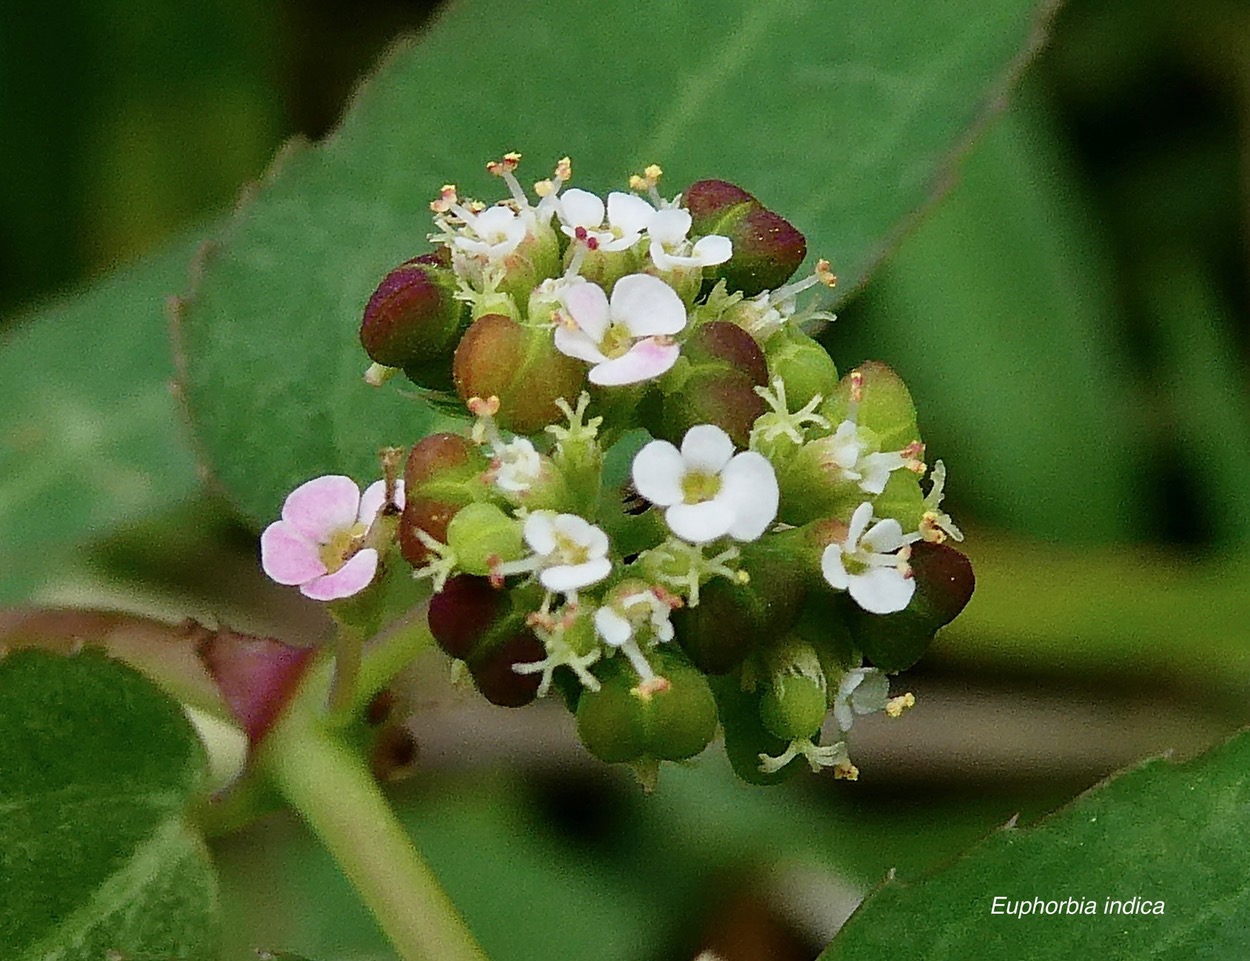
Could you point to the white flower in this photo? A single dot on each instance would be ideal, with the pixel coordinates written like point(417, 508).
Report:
point(627, 338)
point(581, 218)
point(670, 249)
point(862, 690)
point(866, 565)
point(846, 455)
point(571, 553)
point(708, 490)
point(516, 466)
point(491, 235)
point(642, 613)
point(318, 543)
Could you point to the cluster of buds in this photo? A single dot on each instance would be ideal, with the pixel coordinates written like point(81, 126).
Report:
point(666, 506)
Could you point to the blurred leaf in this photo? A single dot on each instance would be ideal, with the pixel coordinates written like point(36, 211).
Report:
point(1100, 847)
point(998, 313)
point(89, 435)
point(843, 119)
point(96, 769)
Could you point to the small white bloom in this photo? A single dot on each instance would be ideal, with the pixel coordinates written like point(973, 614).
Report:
point(670, 249)
point(846, 454)
point(627, 338)
point(581, 218)
point(643, 615)
point(571, 553)
point(862, 690)
point(871, 564)
point(517, 466)
point(708, 490)
point(491, 235)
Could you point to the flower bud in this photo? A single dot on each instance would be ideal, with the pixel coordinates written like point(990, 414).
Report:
point(803, 365)
point(443, 474)
point(794, 698)
point(884, 404)
point(722, 365)
point(767, 249)
point(497, 357)
point(746, 737)
point(483, 535)
point(944, 585)
point(624, 722)
point(492, 668)
point(463, 611)
point(413, 319)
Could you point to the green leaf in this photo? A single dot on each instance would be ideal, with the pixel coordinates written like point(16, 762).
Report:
point(96, 856)
point(1162, 832)
point(89, 436)
point(842, 119)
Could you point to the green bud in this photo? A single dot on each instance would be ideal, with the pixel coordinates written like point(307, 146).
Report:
point(497, 357)
point(482, 535)
point(603, 267)
point(767, 249)
point(794, 698)
point(624, 721)
point(413, 319)
point(536, 258)
point(885, 404)
point(802, 364)
point(746, 737)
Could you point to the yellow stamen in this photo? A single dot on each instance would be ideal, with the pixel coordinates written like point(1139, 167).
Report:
point(897, 705)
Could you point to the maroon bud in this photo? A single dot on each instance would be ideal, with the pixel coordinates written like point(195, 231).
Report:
point(257, 676)
point(435, 456)
point(497, 357)
point(494, 675)
point(726, 365)
point(767, 249)
point(413, 318)
point(463, 611)
point(440, 477)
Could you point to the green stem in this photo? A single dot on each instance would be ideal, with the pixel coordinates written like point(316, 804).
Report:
point(335, 794)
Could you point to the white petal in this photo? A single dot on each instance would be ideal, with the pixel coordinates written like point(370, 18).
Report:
point(882, 590)
point(843, 714)
point(700, 523)
point(322, 506)
point(859, 521)
point(833, 569)
point(581, 532)
point(631, 214)
point(540, 532)
point(712, 250)
point(885, 537)
point(706, 448)
point(612, 627)
point(575, 343)
point(588, 305)
point(646, 360)
point(581, 208)
point(871, 696)
point(657, 473)
point(494, 223)
point(288, 556)
point(352, 578)
point(611, 243)
point(572, 577)
point(749, 487)
point(669, 226)
point(876, 470)
point(647, 306)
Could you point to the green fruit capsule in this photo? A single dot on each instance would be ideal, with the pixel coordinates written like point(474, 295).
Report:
point(481, 535)
point(746, 737)
point(793, 706)
point(625, 721)
point(876, 398)
point(803, 365)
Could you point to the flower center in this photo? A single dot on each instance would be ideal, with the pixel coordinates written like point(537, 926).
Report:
point(697, 486)
point(570, 551)
point(342, 544)
point(616, 341)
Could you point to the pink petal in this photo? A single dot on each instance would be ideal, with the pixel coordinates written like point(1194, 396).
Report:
point(647, 359)
point(374, 497)
point(588, 305)
point(322, 506)
point(287, 556)
point(352, 578)
point(647, 306)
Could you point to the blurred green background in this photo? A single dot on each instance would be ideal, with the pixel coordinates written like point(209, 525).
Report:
point(1071, 318)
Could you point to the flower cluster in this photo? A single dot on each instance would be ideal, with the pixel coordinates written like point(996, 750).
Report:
point(665, 504)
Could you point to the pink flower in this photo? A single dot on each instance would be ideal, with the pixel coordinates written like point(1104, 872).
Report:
point(317, 544)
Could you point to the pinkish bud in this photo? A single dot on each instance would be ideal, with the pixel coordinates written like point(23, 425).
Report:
point(767, 249)
point(443, 474)
point(497, 357)
point(413, 318)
